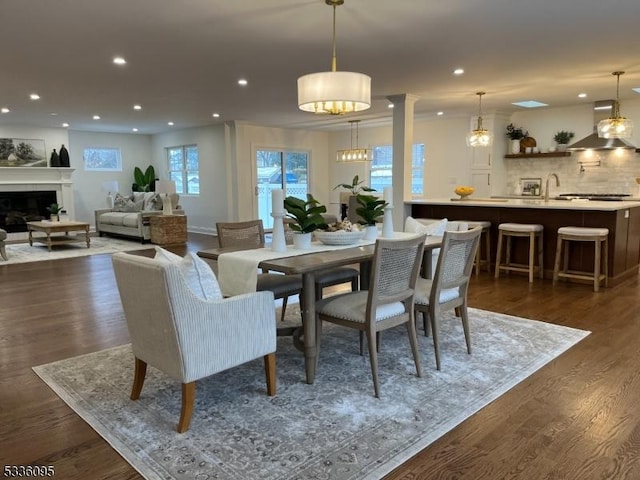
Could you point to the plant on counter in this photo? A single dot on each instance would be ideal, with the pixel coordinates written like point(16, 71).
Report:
point(516, 133)
point(306, 215)
point(356, 186)
point(372, 208)
point(563, 137)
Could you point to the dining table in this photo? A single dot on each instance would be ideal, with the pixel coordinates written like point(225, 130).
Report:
point(308, 264)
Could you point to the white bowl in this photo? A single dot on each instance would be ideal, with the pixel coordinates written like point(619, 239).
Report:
point(341, 237)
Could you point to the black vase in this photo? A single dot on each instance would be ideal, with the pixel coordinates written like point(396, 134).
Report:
point(64, 157)
point(54, 161)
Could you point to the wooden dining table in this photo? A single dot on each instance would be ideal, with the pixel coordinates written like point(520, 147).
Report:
point(308, 265)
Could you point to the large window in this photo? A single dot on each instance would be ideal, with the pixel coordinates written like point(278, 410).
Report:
point(102, 159)
point(184, 169)
point(381, 168)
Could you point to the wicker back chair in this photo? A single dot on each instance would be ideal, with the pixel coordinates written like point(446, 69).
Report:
point(251, 235)
point(388, 301)
point(448, 288)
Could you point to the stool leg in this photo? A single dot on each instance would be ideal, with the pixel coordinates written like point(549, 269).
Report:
point(498, 254)
point(596, 266)
point(556, 264)
point(532, 254)
point(541, 255)
point(565, 268)
point(508, 239)
point(488, 239)
point(606, 262)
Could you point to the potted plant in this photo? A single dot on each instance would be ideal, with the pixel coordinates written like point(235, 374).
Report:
point(307, 217)
point(54, 210)
point(355, 187)
point(562, 138)
point(371, 209)
point(516, 134)
point(144, 181)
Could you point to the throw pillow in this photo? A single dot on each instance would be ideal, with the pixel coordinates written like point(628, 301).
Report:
point(150, 201)
point(196, 272)
point(119, 203)
point(436, 228)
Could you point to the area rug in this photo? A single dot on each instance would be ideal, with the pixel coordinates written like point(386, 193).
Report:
point(333, 429)
point(23, 252)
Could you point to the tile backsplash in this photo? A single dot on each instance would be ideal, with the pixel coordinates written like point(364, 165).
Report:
point(598, 171)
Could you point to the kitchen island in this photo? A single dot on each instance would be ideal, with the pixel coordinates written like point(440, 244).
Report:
point(622, 218)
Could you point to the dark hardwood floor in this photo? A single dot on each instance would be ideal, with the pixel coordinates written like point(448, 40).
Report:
point(576, 418)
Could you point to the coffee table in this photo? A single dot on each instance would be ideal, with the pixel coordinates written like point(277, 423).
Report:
point(58, 227)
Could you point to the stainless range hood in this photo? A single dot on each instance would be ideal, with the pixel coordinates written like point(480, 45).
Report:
point(601, 110)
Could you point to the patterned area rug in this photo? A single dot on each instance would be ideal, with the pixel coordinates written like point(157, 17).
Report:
point(23, 252)
point(333, 429)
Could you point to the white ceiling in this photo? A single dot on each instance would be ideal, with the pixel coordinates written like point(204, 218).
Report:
point(185, 57)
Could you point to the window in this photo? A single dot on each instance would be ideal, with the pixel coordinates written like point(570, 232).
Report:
point(381, 168)
point(184, 169)
point(101, 159)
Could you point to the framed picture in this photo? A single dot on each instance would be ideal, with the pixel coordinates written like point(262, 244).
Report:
point(530, 186)
point(20, 152)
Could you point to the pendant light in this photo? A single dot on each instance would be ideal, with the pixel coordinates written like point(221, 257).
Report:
point(615, 126)
point(334, 92)
point(352, 154)
point(479, 137)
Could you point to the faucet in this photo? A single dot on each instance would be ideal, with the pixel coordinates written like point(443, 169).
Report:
point(546, 188)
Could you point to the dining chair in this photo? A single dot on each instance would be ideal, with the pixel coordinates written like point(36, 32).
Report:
point(448, 288)
point(388, 302)
point(250, 234)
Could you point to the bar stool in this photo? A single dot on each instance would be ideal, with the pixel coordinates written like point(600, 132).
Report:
point(531, 230)
point(486, 231)
point(600, 237)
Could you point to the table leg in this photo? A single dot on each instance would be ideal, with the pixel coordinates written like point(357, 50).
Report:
point(30, 238)
point(87, 236)
point(309, 325)
point(365, 274)
point(49, 244)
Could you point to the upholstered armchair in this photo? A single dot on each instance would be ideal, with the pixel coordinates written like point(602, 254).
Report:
point(180, 324)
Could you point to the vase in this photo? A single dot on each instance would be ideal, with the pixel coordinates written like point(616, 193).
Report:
point(515, 147)
point(302, 241)
point(54, 161)
point(64, 157)
point(562, 147)
point(54, 217)
point(370, 232)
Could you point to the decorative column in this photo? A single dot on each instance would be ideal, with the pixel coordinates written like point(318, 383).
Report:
point(387, 221)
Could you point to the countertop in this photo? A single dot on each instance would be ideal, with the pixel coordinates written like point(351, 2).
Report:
point(530, 203)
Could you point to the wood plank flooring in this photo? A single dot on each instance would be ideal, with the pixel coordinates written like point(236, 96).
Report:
point(577, 418)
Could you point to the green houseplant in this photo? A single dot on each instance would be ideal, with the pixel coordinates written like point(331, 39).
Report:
point(307, 217)
point(356, 186)
point(144, 181)
point(371, 208)
point(54, 209)
point(563, 137)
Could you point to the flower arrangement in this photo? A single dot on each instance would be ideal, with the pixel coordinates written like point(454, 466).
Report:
point(563, 137)
point(516, 133)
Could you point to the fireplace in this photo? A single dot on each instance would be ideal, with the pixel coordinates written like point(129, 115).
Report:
point(18, 208)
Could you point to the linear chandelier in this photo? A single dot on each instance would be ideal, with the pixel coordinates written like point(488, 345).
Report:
point(616, 126)
point(354, 154)
point(479, 137)
point(334, 92)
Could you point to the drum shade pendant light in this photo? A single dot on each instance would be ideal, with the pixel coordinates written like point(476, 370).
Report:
point(615, 126)
point(354, 154)
point(334, 92)
point(479, 137)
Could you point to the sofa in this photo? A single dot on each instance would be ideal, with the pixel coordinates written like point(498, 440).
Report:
point(130, 215)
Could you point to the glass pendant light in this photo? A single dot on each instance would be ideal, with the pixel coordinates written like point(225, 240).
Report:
point(479, 137)
point(615, 126)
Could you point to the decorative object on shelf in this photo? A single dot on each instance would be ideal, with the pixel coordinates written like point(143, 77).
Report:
point(307, 217)
point(334, 92)
point(144, 182)
point(479, 137)
point(464, 191)
point(111, 188)
point(352, 154)
point(64, 157)
point(527, 142)
point(530, 186)
point(166, 188)
point(515, 134)
point(278, 237)
point(387, 220)
point(562, 138)
point(616, 126)
point(54, 160)
point(54, 209)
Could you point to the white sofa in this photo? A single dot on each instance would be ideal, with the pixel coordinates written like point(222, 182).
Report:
point(130, 215)
point(433, 226)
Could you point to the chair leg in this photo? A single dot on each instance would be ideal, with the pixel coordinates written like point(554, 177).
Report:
point(355, 284)
point(138, 378)
point(188, 399)
point(3, 252)
point(425, 324)
point(373, 359)
point(270, 372)
point(413, 340)
point(465, 326)
point(436, 346)
point(361, 337)
point(284, 308)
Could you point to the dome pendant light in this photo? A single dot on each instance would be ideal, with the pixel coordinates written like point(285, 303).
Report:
point(479, 137)
point(334, 92)
point(352, 154)
point(615, 126)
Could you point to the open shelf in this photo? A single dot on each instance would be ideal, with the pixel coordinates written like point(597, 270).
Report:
point(538, 155)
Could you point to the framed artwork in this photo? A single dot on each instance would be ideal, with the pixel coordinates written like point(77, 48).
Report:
point(21, 152)
point(530, 186)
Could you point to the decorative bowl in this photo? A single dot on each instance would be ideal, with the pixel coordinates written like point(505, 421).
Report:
point(340, 237)
point(464, 191)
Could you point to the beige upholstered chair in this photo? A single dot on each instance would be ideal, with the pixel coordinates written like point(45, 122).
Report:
point(387, 303)
point(250, 234)
point(448, 288)
point(180, 324)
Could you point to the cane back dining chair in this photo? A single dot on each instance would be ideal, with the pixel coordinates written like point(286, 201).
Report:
point(448, 288)
point(388, 301)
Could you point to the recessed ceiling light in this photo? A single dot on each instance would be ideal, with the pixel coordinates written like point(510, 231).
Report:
point(5, 110)
point(243, 82)
point(530, 104)
point(636, 89)
point(119, 60)
point(390, 105)
point(171, 124)
point(34, 96)
point(96, 117)
point(216, 115)
point(137, 107)
point(134, 129)
point(53, 114)
point(65, 124)
point(458, 71)
point(440, 113)
point(582, 95)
